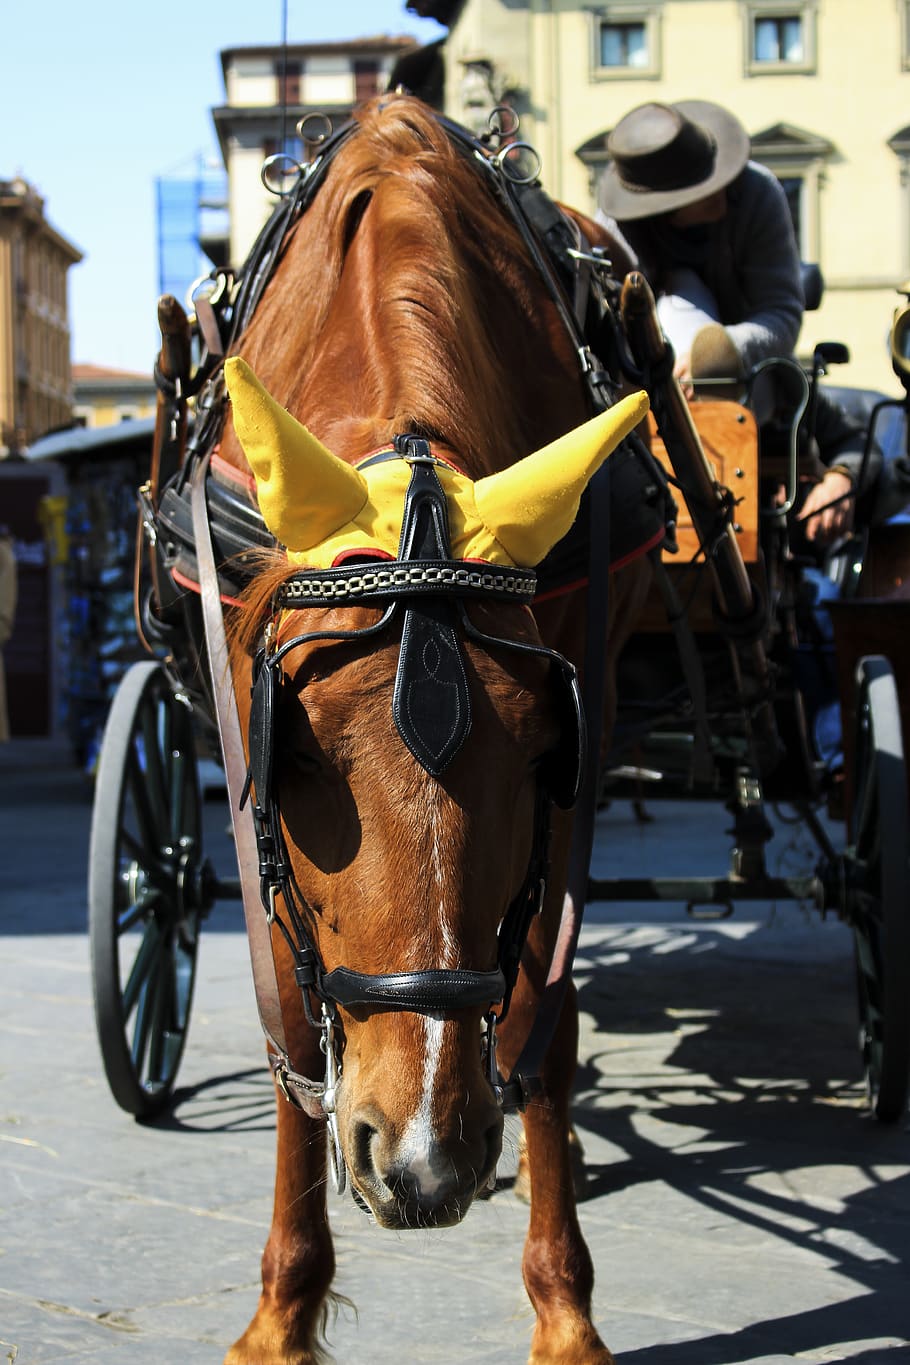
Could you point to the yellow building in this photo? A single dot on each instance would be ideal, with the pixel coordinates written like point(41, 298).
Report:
point(35, 382)
point(103, 396)
point(823, 87)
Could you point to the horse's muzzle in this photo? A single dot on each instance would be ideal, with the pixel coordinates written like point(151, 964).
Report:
point(421, 1181)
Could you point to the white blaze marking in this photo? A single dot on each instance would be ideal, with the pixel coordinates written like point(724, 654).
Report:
point(419, 1137)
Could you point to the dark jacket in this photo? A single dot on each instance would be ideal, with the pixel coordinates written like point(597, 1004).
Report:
point(749, 261)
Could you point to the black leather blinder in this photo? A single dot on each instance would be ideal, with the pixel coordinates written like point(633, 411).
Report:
point(563, 768)
point(262, 730)
point(431, 705)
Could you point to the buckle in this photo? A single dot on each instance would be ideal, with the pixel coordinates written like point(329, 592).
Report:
point(280, 1070)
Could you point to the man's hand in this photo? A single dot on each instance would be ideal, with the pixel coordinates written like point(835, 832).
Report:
point(832, 523)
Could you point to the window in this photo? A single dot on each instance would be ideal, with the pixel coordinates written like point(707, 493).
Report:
point(288, 74)
point(779, 38)
point(798, 158)
point(627, 41)
point(291, 147)
point(366, 79)
point(624, 45)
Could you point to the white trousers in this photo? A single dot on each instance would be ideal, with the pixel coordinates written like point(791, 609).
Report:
point(686, 307)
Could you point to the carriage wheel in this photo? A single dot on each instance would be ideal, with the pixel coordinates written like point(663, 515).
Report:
point(880, 897)
point(147, 888)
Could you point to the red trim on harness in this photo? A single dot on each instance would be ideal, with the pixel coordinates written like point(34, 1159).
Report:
point(185, 582)
point(367, 552)
point(560, 592)
point(231, 472)
point(640, 550)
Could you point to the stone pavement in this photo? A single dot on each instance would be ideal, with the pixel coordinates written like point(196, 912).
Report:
point(741, 1207)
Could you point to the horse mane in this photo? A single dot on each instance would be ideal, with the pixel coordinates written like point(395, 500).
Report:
point(406, 300)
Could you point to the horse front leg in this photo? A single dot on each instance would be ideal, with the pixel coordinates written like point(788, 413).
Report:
point(557, 1267)
point(299, 1260)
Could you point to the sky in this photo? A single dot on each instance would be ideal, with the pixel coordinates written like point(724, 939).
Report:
point(99, 99)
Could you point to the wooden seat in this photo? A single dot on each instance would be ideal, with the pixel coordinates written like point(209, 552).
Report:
point(729, 436)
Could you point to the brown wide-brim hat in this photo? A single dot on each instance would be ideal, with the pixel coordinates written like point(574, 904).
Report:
point(665, 156)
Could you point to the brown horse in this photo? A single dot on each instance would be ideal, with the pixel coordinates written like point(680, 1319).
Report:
point(405, 301)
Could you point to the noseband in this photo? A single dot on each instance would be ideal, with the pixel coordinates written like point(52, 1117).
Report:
point(431, 706)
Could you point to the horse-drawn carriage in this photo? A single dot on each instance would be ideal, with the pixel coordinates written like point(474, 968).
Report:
point(401, 736)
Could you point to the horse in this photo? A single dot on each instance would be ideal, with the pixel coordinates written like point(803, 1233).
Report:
point(412, 410)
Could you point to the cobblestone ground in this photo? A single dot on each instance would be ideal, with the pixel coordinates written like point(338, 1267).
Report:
point(740, 1205)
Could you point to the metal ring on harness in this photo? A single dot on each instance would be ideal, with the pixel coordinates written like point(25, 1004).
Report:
point(218, 283)
point(503, 121)
point(508, 161)
point(269, 165)
point(313, 117)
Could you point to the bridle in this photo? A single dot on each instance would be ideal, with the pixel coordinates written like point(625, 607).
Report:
point(428, 589)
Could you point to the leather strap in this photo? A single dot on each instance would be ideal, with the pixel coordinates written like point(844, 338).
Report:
point(433, 990)
point(420, 577)
point(265, 978)
point(524, 1080)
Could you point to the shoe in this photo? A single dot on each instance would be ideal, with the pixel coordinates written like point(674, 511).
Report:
point(715, 364)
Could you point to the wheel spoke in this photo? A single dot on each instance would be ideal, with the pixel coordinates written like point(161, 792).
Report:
point(147, 819)
point(176, 769)
point(152, 721)
point(148, 1010)
point(160, 1017)
point(143, 964)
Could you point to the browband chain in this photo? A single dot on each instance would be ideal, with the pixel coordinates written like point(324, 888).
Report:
point(406, 579)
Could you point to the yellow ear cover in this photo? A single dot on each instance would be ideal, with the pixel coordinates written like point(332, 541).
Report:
point(305, 492)
point(531, 505)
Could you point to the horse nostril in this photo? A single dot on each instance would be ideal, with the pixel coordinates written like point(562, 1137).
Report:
point(362, 1135)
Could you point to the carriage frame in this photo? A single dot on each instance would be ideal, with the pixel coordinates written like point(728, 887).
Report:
point(150, 883)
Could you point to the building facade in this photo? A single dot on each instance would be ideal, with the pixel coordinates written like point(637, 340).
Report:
point(822, 87)
point(35, 380)
point(103, 397)
point(268, 91)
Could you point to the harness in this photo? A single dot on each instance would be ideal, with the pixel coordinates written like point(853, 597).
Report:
point(205, 512)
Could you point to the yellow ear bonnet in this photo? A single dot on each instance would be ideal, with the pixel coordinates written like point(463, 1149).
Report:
point(319, 507)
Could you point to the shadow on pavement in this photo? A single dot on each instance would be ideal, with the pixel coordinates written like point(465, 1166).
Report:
point(239, 1102)
point(735, 1084)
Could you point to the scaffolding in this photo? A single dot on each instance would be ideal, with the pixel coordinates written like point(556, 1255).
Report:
point(192, 221)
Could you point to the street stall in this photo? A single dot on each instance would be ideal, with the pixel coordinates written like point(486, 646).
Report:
point(92, 527)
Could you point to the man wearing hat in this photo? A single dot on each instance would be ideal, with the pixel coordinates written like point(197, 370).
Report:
point(712, 232)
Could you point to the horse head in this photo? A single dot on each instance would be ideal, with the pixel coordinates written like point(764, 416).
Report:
point(404, 750)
